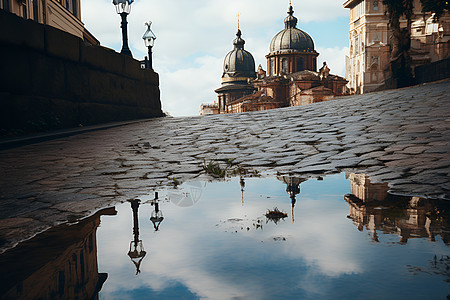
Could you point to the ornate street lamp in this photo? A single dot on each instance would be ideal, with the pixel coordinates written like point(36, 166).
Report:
point(123, 8)
point(149, 40)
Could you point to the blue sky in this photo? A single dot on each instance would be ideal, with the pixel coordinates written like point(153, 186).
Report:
point(194, 36)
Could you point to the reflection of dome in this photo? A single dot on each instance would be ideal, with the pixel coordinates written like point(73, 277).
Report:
point(291, 38)
point(239, 63)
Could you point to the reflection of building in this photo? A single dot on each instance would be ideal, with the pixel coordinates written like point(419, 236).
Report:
point(291, 78)
point(242, 184)
point(62, 14)
point(60, 263)
point(408, 217)
point(370, 39)
point(362, 188)
point(292, 188)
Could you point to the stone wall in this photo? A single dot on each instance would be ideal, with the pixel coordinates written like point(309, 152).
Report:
point(50, 79)
point(432, 72)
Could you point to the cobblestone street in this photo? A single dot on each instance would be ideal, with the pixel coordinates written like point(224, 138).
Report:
point(399, 136)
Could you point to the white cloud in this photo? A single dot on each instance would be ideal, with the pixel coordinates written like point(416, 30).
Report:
point(183, 90)
point(321, 241)
point(194, 36)
point(335, 58)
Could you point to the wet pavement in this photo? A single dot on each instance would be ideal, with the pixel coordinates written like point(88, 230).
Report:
point(397, 136)
point(277, 237)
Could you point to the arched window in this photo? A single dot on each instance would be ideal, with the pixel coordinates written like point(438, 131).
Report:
point(300, 64)
point(314, 66)
point(375, 5)
point(374, 73)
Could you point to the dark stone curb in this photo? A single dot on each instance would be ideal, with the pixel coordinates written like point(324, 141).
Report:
point(15, 142)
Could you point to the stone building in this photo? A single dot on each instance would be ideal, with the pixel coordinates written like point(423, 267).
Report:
point(291, 78)
point(209, 109)
point(370, 42)
point(62, 14)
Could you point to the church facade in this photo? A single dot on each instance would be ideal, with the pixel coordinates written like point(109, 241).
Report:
point(291, 78)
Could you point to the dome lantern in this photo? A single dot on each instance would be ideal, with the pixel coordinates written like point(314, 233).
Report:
point(290, 21)
point(238, 42)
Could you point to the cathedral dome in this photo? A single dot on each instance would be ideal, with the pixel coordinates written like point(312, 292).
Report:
point(291, 39)
point(238, 64)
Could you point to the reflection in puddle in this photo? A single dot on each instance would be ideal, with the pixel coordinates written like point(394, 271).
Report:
point(215, 241)
point(58, 264)
point(136, 252)
point(408, 217)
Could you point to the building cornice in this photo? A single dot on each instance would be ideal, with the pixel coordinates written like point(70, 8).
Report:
point(351, 3)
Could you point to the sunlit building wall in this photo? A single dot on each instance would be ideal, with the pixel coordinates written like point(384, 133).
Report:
point(62, 14)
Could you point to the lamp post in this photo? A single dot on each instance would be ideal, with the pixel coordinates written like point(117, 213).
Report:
point(149, 40)
point(123, 8)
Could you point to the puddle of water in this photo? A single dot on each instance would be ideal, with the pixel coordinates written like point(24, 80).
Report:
point(214, 241)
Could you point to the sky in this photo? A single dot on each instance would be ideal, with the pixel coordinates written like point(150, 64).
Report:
point(193, 38)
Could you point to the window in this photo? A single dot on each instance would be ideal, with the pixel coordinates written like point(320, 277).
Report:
point(24, 11)
point(375, 5)
point(75, 8)
point(374, 76)
point(67, 5)
point(285, 65)
point(357, 45)
point(314, 66)
point(300, 64)
point(272, 66)
point(5, 4)
point(35, 10)
point(374, 73)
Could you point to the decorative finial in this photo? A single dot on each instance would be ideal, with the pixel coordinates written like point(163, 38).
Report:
point(238, 20)
point(291, 9)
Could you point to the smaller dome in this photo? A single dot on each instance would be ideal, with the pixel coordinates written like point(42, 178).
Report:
point(291, 38)
point(239, 63)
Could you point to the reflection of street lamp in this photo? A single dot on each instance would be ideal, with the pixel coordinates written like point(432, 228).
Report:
point(157, 215)
point(136, 252)
point(149, 40)
point(123, 8)
point(242, 183)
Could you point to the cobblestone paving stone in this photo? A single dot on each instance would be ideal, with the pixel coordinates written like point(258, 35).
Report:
point(398, 136)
